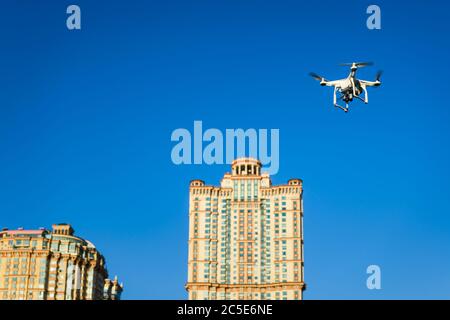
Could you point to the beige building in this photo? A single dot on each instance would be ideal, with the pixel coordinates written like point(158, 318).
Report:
point(52, 265)
point(245, 237)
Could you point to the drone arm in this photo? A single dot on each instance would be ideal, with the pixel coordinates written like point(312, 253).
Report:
point(330, 83)
point(366, 95)
point(353, 86)
point(334, 96)
point(370, 83)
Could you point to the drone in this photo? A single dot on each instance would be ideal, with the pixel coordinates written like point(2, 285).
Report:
point(350, 87)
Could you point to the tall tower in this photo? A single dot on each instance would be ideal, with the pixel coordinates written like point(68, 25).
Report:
point(245, 237)
point(52, 265)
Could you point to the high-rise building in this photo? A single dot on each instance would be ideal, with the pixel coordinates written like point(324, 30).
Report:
point(112, 289)
point(52, 265)
point(245, 237)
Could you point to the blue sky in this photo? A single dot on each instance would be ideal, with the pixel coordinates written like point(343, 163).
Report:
point(86, 118)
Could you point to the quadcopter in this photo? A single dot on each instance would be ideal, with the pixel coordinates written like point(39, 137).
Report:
point(350, 87)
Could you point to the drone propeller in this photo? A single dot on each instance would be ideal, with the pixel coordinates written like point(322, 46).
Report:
point(358, 64)
point(378, 76)
point(317, 77)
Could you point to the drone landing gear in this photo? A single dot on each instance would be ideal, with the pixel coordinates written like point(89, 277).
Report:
point(342, 108)
point(363, 100)
point(340, 98)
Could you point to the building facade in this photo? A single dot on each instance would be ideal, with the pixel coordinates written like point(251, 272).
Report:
point(52, 265)
point(245, 237)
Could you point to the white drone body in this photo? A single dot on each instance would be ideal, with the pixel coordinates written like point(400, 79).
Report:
point(350, 87)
